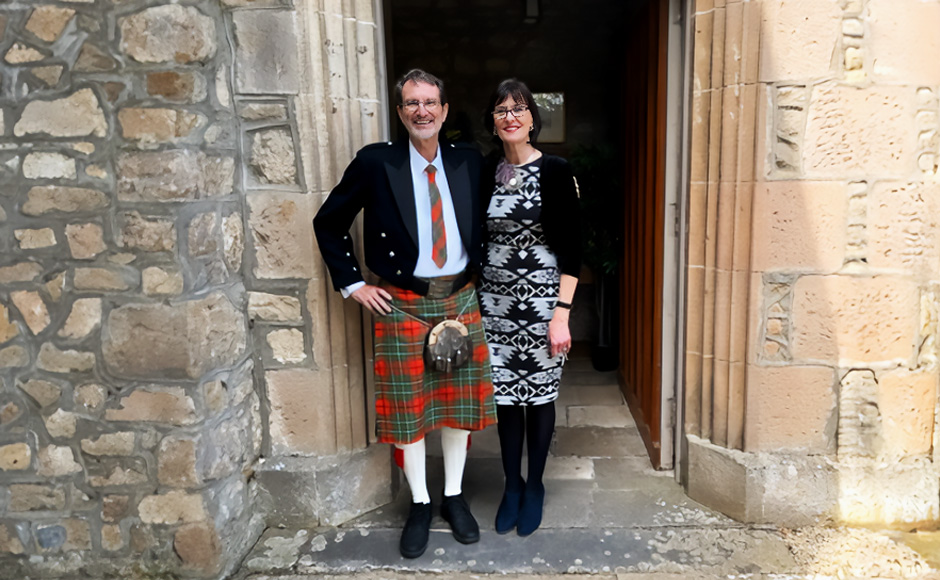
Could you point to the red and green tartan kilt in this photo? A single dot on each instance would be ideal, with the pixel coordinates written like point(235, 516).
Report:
point(411, 400)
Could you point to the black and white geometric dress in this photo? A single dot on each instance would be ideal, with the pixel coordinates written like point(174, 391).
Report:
point(518, 290)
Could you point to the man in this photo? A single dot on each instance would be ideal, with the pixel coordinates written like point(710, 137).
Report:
point(423, 230)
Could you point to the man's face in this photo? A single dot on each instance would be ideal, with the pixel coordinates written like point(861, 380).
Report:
point(421, 111)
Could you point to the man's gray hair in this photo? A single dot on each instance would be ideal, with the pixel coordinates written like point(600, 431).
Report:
point(419, 76)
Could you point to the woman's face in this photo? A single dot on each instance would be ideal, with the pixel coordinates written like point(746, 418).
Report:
point(514, 127)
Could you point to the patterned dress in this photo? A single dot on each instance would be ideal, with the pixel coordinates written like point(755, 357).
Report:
point(518, 291)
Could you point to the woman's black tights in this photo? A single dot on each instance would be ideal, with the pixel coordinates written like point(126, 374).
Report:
point(534, 425)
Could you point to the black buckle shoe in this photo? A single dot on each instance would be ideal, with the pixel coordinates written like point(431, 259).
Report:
point(414, 538)
point(455, 510)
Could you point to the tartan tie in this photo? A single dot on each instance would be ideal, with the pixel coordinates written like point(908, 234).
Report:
point(438, 235)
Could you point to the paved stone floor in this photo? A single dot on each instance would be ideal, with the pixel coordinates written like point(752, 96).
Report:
point(607, 513)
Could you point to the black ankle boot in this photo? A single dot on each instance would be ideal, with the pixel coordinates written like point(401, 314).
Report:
point(455, 510)
point(414, 538)
point(508, 513)
point(530, 514)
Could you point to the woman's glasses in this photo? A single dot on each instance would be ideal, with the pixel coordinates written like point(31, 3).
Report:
point(517, 111)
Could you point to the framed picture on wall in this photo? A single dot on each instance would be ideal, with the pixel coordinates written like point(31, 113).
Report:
point(552, 109)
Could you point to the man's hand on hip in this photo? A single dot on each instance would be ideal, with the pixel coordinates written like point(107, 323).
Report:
point(374, 298)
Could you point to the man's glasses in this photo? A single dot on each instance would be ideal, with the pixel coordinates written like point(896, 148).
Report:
point(517, 111)
point(412, 106)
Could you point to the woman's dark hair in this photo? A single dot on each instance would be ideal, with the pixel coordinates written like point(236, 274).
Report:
point(419, 76)
point(521, 95)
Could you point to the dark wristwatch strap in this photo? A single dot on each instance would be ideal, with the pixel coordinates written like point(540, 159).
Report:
point(561, 304)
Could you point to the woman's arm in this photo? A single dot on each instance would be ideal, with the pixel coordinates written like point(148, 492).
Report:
point(559, 335)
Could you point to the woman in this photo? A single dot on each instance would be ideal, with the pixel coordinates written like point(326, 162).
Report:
point(529, 276)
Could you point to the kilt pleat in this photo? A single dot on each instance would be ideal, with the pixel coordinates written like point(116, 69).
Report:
point(411, 400)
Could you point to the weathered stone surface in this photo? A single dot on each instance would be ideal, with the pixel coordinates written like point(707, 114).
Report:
point(29, 497)
point(157, 125)
point(8, 330)
point(54, 360)
point(85, 240)
point(272, 157)
point(175, 507)
point(798, 418)
point(176, 463)
point(9, 412)
point(266, 53)
point(892, 494)
point(61, 424)
point(806, 31)
point(273, 307)
point(199, 548)
point(14, 356)
point(56, 461)
point(160, 282)
point(15, 457)
point(301, 420)
point(9, 541)
point(48, 166)
point(32, 309)
point(48, 22)
point(48, 74)
point(183, 340)
point(43, 392)
point(96, 171)
point(45, 199)
point(175, 86)
point(102, 279)
point(215, 396)
point(110, 444)
point(21, 272)
point(895, 57)
point(287, 345)
point(114, 507)
point(203, 234)
point(77, 115)
point(263, 111)
point(112, 540)
point(19, 53)
point(233, 241)
point(282, 236)
point(55, 286)
point(853, 131)
point(168, 34)
point(83, 319)
point(846, 320)
point(149, 235)
point(35, 239)
point(906, 402)
point(91, 396)
point(94, 59)
point(168, 405)
point(67, 535)
point(174, 175)
point(123, 472)
point(904, 230)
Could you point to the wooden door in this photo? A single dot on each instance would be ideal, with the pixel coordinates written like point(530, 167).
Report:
point(642, 273)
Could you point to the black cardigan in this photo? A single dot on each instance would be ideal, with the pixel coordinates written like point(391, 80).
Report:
point(561, 210)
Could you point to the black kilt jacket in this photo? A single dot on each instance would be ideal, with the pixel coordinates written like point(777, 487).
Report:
point(378, 182)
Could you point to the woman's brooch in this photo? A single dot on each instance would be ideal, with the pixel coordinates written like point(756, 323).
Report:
point(508, 175)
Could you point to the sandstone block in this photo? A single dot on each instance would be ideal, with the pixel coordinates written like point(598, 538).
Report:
point(94, 59)
point(791, 409)
point(67, 535)
point(174, 507)
point(15, 457)
point(853, 131)
point(273, 307)
point(203, 235)
point(48, 166)
point(19, 53)
point(21, 272)
point(61, 424)
point(215, 396)
point(48, 22)
point(149, 235)
point(110, 444)
point(30, 497)
point(54, 360)
point(114, 507)
point(176, 463)
point(199, 548)
point(32, 309)
point(77, 115)
point(272, 157)
point(9, 541)
point(13, 356)
point(907, 401)
point(233, 241)
point(8, 330)
point(168, 34)
point(168, 405)
point(263, 112)
point(45, 199)
point(798, 38)
point(900, 494)
point(182, 340)
point(48, 74)
point(91, 396)
point(281, 234)
point(83, 319)
point(847, 320)
point(157, 125)
point(185, 87)
point(173, 175)
point(9, 412)
point(904, 230)
point(160, 282)
point(353, 484)
point(301, 418)
point(112, 540)
point(101, 279)
point(57, 461)
point(43, 392)
point(35, 239)
point(895, 57)
point(117, 472)
point(266, 51)
point(85, 240)
point(287, 345)
point(55, 286)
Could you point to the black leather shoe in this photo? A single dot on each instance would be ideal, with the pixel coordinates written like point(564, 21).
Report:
point(455, 510)
point(414, 538)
